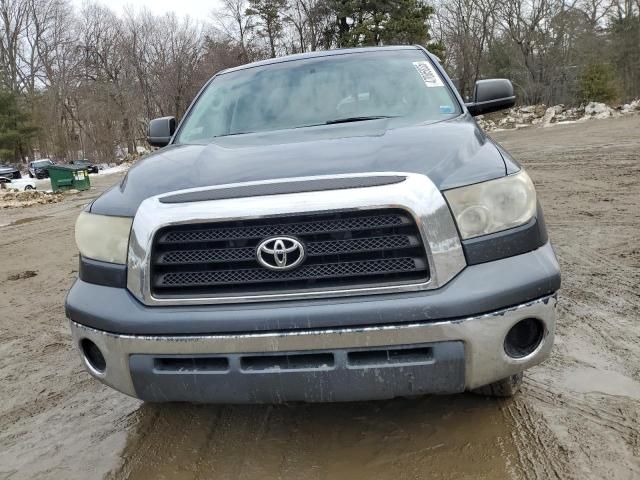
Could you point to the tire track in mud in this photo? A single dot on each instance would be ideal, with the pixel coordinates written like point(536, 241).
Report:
point(584, 393)
point(589, 261)
point(535, 443)
point(613, 301)
point(617, 417)
point(49, 407)
point(610, 448)
point(395, 439)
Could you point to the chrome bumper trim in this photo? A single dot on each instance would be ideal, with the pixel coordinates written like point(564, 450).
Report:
point(483, 336)
point(417, 194)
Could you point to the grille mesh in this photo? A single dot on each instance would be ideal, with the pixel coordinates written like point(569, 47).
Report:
point(282, 229)
point(313, 249)
point(204, 256)
point(327, 270)
point(344, 250)
point(359, 245)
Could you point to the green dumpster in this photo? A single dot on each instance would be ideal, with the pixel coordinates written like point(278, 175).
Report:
point(68, 177)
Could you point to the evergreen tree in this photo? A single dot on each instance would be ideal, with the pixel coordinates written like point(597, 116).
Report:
point(597, 83)
point(625, 47)
point(269, 19)
point(381, 22)
point(16, 130)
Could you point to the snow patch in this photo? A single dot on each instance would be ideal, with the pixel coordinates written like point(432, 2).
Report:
point(123, 167)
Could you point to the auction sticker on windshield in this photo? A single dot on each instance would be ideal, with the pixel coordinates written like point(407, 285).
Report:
point(428, 74)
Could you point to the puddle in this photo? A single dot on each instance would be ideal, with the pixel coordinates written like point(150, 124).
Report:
point(458, 436)
point(608, 382)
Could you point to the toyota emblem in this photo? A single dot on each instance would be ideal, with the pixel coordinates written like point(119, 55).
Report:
point(280, 253)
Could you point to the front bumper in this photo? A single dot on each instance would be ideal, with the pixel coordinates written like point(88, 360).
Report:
point(487, 287)
point(450, 356)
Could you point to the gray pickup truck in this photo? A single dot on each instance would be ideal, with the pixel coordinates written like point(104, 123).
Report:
point(331, 226)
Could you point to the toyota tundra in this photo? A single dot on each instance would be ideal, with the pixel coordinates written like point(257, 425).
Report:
point(330, 226)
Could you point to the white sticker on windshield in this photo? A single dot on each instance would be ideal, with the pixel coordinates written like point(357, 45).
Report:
point(428, 74)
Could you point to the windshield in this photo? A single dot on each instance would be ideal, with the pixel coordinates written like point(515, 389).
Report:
point(319, 91)
point(42, 163)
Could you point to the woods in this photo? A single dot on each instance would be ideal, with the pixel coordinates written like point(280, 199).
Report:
point(83, 82)
point(555, 51)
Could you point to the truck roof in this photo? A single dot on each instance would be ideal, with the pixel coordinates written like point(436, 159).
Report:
point(319, 53)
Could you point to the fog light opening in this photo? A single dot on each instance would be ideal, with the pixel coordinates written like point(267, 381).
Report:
point(524, 337)
point(93, 356)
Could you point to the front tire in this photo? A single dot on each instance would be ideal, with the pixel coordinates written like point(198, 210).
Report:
point(507, 387)
point(28, 187)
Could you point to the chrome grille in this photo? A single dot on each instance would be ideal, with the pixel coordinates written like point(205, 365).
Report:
point(308, 227)
point(344, 250)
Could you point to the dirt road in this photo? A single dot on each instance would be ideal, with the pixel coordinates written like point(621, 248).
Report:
point(577, 417)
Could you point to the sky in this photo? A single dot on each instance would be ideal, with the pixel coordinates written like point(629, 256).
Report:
point(197, 9)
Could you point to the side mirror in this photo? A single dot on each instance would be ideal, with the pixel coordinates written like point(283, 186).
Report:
point(160, 131)
point(491, 95)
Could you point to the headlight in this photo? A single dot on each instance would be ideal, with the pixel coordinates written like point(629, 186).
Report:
point(103, 237)
point(493, 206)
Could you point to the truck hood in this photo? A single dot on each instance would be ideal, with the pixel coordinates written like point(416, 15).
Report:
point(451, 153)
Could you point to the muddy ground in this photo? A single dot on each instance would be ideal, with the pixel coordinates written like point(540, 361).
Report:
point(577, 416)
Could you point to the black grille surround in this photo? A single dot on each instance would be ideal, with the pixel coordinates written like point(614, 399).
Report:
point(345, 250)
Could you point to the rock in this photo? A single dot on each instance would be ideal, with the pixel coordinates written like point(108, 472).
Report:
point(527, 115)
point(508, 122)
point(548, 116)
point(540, 110)
point(486, 125)
point(598, 110)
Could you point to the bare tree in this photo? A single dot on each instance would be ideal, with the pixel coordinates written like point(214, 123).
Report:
point(235, 25)
point(15, 17)
point(467, 27)
point(91, 78)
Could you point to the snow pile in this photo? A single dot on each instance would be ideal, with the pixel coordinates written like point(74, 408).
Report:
point(13, 198)
point(632, 107)
point(528, 115)
point(113, 168)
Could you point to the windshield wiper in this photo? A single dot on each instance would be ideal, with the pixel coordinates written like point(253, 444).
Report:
point(357, 119)
point(231, 134)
